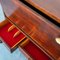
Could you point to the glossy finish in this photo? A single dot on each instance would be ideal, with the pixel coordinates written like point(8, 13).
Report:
point(32, 50)
point(49, 7)
point(42, 32)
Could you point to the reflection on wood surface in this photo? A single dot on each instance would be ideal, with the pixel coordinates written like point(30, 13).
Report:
point(49, 7)
point(44, 32)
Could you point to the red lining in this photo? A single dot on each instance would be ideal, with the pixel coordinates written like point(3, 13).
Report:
point(35, 52)
point(8, 36)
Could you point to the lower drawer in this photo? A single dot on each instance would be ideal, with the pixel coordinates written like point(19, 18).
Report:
point(32, 50)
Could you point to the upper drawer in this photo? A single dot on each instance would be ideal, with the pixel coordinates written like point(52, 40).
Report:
point(40, 31)
point(49, 7)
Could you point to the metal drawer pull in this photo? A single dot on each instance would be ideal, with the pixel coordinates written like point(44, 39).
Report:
point(58, 40)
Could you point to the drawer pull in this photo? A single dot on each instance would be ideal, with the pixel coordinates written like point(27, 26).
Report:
point(58, 40)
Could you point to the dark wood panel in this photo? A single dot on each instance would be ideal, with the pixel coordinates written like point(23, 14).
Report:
point(49, 7)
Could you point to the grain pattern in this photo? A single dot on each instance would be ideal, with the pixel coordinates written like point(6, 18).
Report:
point(49, 7)
point(43, 32)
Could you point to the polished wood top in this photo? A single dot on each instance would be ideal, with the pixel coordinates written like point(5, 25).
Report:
point(49, 7)
point(40, 31)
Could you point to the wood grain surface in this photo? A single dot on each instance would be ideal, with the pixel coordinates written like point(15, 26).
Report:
point(43, 32)
point(49, 7)
point(32, 50)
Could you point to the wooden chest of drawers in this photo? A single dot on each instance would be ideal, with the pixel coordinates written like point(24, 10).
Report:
point(38, 29)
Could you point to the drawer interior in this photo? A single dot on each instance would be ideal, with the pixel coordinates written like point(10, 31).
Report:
point(32, 50)
point(7, 37)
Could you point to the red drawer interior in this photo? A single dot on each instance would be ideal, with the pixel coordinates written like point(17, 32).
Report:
point(35, 52)
point(8, 36)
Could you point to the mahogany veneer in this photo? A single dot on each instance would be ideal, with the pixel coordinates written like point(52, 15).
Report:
point(44, 33)
point(49, 7)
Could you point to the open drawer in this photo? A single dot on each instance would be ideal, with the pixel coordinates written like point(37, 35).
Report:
point(30, 49)
point(45, 34)
point(7, 37)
